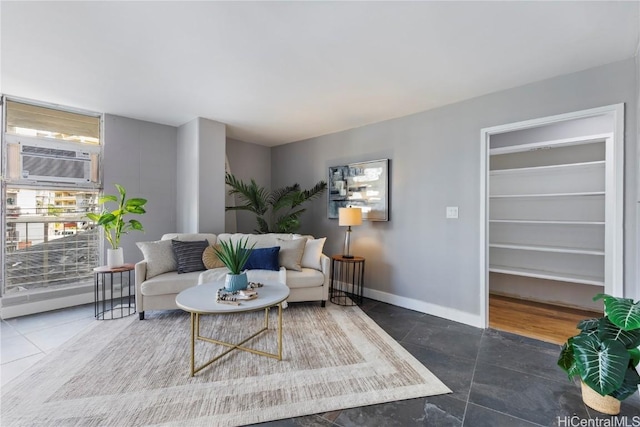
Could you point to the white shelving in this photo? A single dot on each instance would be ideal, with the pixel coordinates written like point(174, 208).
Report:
point(548, 212)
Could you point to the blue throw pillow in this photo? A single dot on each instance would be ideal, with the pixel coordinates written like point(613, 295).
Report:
point(263, 259)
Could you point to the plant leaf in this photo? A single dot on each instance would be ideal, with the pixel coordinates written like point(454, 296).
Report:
point(602, 364)
point(588, 324)
point(629, 384)
point(607, 330)
point(121, 190)
point(135, 224)
point(107, 198)
point(566, 359)
point(622, 312)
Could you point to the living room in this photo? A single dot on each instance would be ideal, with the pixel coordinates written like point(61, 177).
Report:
point(420, 259)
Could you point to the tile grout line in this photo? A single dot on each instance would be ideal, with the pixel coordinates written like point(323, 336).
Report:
point(473, 376)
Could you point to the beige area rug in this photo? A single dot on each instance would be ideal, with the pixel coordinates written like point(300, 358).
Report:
point(128, 372)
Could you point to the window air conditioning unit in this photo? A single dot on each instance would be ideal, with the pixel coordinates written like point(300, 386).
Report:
point(52, 162)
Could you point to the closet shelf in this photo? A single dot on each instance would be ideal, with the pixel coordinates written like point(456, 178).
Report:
point(549, 275)
point(549, 222)
point(547, 168)
point(541, 195)
point(545, 248)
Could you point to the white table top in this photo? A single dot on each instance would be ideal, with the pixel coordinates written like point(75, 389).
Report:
point(202, 298)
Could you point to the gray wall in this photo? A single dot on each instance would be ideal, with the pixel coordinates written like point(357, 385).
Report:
point(248, 161)
point(420, 259)
point(141, 157)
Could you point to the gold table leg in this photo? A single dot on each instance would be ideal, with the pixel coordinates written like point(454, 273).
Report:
point(195, 335)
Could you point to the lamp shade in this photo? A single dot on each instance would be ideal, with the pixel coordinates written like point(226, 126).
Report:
point(349, 216)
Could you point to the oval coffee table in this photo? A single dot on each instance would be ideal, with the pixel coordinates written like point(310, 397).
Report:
point(201, 299)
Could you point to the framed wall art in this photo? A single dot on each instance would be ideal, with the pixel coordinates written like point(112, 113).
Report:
point(362, 185)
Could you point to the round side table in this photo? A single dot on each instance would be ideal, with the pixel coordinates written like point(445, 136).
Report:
point(347, 278)
point(113, 299)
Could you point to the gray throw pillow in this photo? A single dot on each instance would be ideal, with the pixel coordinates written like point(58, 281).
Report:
point(159, 256)
point(291, 252)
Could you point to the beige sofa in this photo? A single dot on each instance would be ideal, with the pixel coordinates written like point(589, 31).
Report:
point(158, 282)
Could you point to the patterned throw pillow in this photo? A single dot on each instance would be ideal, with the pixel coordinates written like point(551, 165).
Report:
point(189, 255)
point(159, 256)
point(291, 253)
point(210, 258)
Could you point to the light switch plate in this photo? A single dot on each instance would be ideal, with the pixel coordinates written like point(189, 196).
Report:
point(452, 212)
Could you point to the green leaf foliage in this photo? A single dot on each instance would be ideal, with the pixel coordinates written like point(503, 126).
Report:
point(629, 384)
point(622, 312)
point(234, 255)
point(276, 211)
point(113, 221)
point(605, 352)
point(602, 364)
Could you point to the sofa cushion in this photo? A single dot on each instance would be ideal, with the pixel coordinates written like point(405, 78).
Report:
point(218, 275)
point(189, 237)
point(210, 258)
point(189, 255)
point(263, 259)
point(290, 254)
point(169, 283)
point(307, 278)
point(312, 253)
point(260, 240)
point(159, 256)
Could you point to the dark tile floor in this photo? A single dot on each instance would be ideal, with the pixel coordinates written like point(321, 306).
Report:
point(497, 379)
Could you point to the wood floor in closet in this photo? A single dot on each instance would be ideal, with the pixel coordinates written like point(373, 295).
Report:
point(545, 322)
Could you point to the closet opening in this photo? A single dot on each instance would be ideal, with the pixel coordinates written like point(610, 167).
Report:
point(552, 221)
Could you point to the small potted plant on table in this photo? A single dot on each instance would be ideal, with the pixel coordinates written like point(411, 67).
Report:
point(114, 224)
point(234, 257)
point(604, 355)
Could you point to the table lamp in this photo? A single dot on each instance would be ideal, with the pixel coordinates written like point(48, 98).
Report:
point(348, 217)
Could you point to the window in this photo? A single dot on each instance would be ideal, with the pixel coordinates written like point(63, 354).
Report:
point(50, 182)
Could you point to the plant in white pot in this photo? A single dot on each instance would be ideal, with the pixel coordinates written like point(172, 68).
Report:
point(234, 257)
point(604, 355)
point(114, 223)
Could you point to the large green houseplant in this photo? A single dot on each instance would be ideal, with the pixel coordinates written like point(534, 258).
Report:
point(276, 211)
point(604, 355)
point(114, 224)
point(234, 257)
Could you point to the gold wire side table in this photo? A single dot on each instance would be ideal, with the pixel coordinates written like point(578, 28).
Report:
point(113, 299)
point(347, 280)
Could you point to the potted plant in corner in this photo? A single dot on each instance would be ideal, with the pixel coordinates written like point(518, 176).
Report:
point(604, 355)
point(114, 224)
point(234, 257)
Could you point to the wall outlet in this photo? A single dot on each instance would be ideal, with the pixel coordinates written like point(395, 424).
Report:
point(452, 212)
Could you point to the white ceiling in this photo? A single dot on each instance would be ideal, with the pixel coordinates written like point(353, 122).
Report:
point(277, 72)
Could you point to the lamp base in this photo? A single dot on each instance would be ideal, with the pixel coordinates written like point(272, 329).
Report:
point(347, 256)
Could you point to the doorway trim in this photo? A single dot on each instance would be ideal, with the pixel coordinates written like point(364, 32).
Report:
point(617, 172)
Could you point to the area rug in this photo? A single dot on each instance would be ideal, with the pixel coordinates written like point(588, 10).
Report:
point(128, 372)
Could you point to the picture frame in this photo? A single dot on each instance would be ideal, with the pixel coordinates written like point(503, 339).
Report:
point(362, 185)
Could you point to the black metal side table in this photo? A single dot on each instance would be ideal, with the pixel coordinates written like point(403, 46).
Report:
point(114, 300)
point(347, 278)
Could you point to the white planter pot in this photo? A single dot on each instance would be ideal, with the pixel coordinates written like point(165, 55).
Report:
point(115, 258)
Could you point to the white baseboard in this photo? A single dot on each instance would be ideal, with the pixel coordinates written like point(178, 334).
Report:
point(47, 305)
point(425, 307)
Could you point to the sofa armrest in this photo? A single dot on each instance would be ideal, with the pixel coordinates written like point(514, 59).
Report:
point(140, 276)
point(325, 264)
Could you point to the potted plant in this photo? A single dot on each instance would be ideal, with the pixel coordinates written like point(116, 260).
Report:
point(234, 257)
point(114, 224)
point(604, 355)
point(276, 211)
